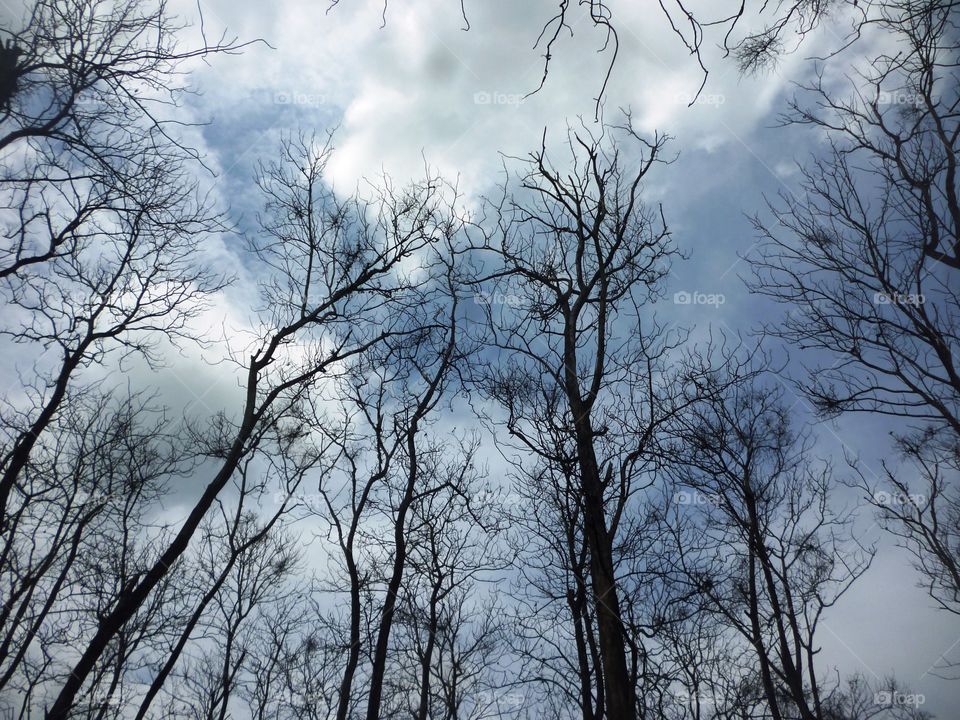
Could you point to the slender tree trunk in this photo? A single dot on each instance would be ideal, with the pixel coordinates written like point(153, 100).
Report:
point(754, 610)
point(353, 655)
point(791, 672)
point(375, 696)
point(575, 600)
point(423, 705)
point(618, 687)
point(19, 456)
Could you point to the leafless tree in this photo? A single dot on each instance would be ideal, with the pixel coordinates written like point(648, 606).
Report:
point(924, 516)
point(90, 124)
point(97, 264)
point(81, 534)
point(868, 258)
point(576, 258)
point(554, 625)
point(393, 468)
point(232, 540)
point(332, 291)
point(218, 666)
point(423, 474)
point(448, 635)
point(294, 667)
point(758, 537)
point(115, 601)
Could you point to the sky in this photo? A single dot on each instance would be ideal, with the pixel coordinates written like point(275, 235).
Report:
point(419, 89)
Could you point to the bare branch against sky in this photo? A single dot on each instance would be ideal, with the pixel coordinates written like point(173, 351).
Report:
point(480, 360)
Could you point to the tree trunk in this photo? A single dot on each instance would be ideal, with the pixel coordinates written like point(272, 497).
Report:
point(619, 692)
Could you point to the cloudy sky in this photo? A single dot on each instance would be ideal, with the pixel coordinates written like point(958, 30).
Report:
point(420, 89)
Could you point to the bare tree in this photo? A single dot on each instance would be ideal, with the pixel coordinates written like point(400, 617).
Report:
point(554, 625)
point(294, 666)
point(423, 474)
point(577, 257)
point(216, 671)
point(392, 466)
point(79, 536)
point(94, 80)
point(89, 122)
point(757, 537)
point(924, 516)
point(97, 264)
point(868, 257)
point(233, 537)
point(448, 634)
point(332, 286)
